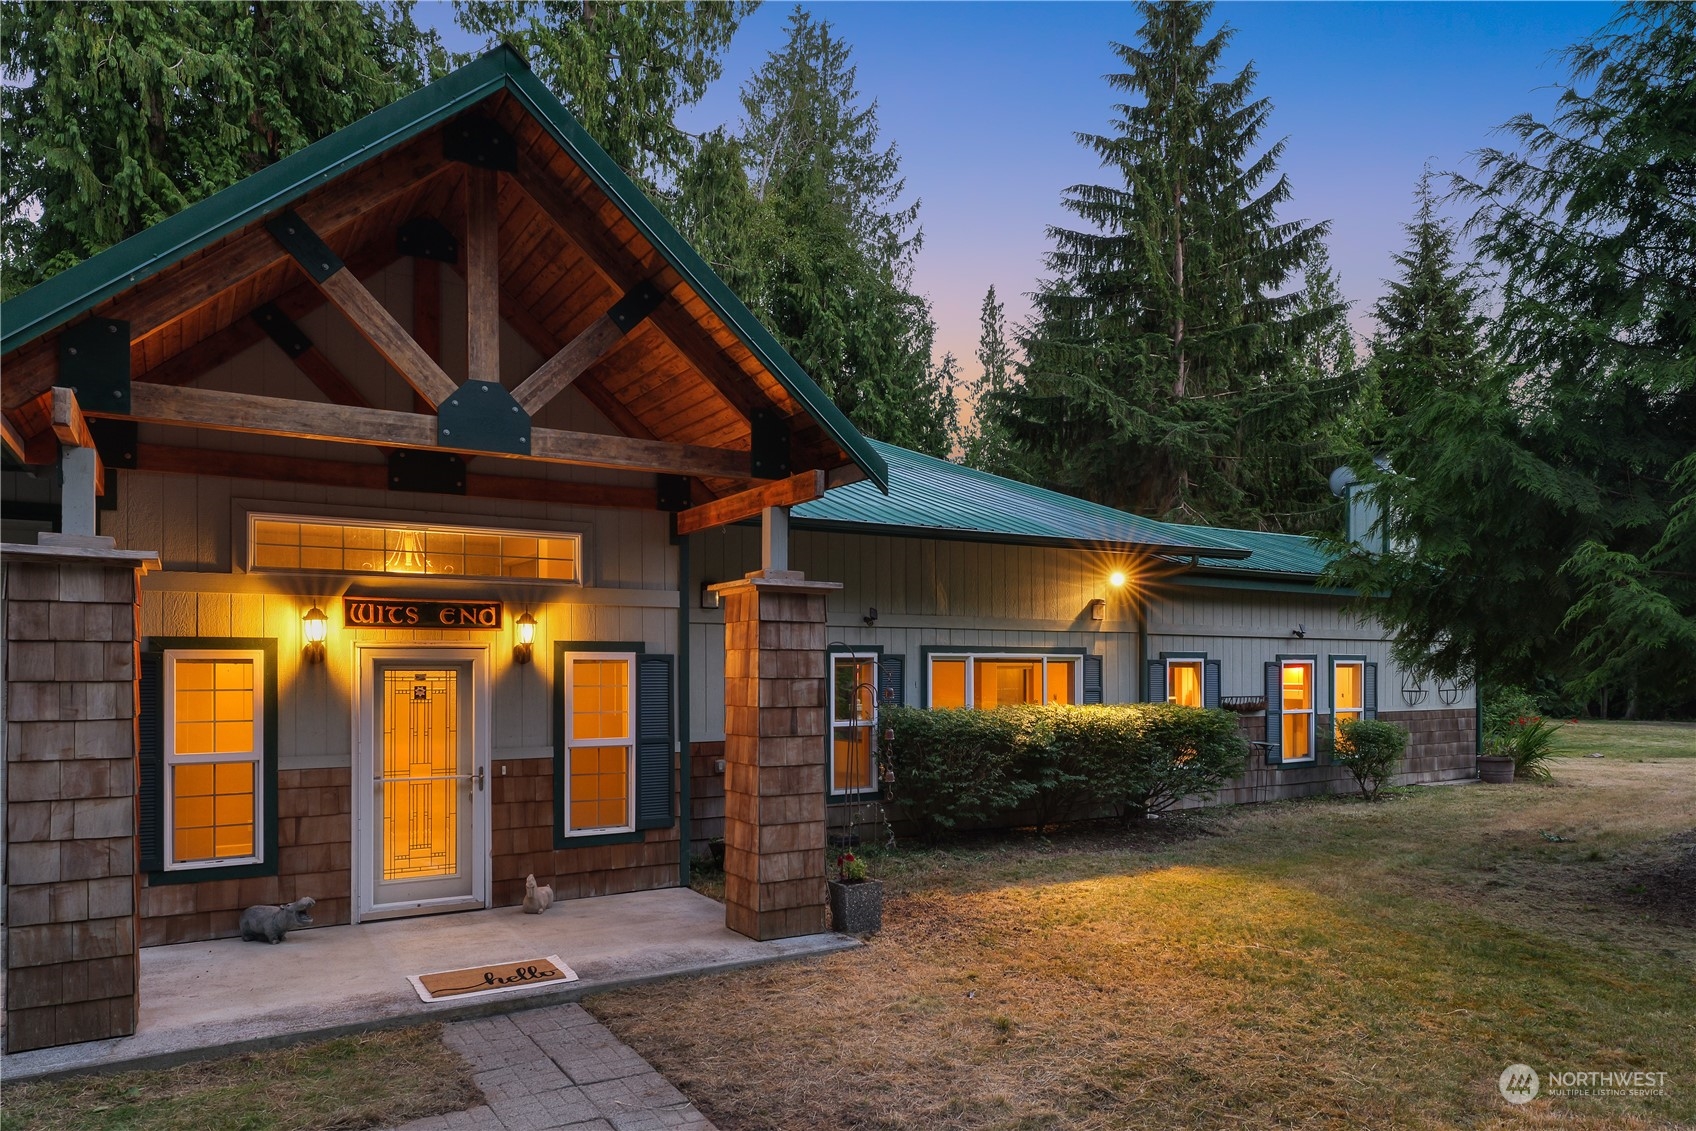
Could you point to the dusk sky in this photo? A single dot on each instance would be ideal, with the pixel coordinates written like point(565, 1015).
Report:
point(983, 101)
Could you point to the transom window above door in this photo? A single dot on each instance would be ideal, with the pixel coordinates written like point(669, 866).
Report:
point(333, 545)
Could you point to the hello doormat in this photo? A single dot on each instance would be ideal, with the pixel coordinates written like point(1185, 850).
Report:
point(479, 981)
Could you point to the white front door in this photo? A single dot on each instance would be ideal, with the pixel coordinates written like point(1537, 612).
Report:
point(420, 776)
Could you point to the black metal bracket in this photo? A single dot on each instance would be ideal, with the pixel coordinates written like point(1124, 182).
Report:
point(116, 441)
point(480, 141)
point(425, 237)
point(94, 359)
point(109, 500)
point(673, 492)
point(638, 302)
point(300, 241)
point(768, 456)
point(290, 338)
point(483, 416)
point(440, 473)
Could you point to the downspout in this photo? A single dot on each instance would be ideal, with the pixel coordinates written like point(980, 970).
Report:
point(681, 541)
point(1141, 604)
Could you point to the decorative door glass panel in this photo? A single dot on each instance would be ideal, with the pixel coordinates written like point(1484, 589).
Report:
point(422, 782)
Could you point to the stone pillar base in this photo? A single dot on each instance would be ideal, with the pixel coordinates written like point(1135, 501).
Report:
point(776, 720)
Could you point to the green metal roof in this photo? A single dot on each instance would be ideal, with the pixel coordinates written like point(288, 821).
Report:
point(929, 497)
point(77, 290)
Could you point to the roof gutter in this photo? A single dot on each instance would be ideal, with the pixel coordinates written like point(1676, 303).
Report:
point(947, 534)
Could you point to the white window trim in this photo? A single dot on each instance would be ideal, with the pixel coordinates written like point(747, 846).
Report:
point(1076, 659)
point(255, 757)
point(1200, 664)
point(870, 725)
point(1312, 712)
point(1356, 712)
point(256, 517)
point(570, 743)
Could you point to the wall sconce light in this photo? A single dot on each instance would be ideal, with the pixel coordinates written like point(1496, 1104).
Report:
point(314, 626)
point(1117, 579)
point(709, 599)
point(1098, 609)
point(871, 616)
point(524, 649)
point(1300, 632)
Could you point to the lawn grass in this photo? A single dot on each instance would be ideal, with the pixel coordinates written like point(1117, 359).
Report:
point(1323, 963)
point(371, 1080)
point(1632, 740)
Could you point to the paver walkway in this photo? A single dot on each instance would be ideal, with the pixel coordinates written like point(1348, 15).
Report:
point(557, 1067)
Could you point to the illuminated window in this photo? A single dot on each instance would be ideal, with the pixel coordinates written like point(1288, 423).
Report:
point(600, 745)
point(998, 680)
point(1297, 686)
point(285, 542)
point(214, 723)
point(853, 698)
point(1183, 682)
point(1348, 691)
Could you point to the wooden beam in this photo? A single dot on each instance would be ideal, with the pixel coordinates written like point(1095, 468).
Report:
point(307, 357)
point(161, 300)
point(615, 265)
point(570, 363)
point(68, 422)
point(14, 442)
point(387, 337)
point(482, 275)
point(800, 488)
point(274, 416)
point(171, 460)
point(243, 334)
point(426, 314)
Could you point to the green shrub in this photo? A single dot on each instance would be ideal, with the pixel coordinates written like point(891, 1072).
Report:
point(955, 766)
point(1177, 752)
point(1503, 708)
point(963, 766)
point(1371, 750)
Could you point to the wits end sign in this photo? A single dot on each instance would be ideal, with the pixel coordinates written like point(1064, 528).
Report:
point(393, 612)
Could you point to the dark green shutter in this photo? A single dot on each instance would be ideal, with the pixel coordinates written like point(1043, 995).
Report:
point(891, 680)
point(1274, 713)
point(1210, 681)
point(1369, 692)
point(150, 725)
point(1156, 689)
point(1092, 679)
point(654, 754)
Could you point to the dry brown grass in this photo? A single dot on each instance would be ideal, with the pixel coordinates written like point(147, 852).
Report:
point(371, 1080)
point(1327, 963)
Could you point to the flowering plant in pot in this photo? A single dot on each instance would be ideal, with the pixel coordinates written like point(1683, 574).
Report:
point(856, 900)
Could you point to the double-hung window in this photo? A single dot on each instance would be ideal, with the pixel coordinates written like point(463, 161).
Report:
point(1183, 682)
point(207, 764)
point(600, 743)
point(996, 680)
point(853, 713)
point(1348, 692)
point(1296, 705)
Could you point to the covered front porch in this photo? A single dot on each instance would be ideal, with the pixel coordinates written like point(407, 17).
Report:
point(226, 995)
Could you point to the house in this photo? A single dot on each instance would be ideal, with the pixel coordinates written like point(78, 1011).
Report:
point(374, 532)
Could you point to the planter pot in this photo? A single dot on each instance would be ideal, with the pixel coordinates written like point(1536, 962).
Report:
point(1497, 768)
point(856, 909)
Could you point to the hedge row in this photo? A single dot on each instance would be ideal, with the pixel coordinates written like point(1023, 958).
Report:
point(966, 767)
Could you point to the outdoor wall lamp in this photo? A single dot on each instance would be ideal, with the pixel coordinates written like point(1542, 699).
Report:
point(1098, 609)
point(1117, 579)
point(871, 616)
point(709, 599)
point(314, 626)
point(524, 649)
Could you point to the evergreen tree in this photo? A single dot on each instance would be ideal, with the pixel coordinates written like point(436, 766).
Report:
point(802, 214)
point(986, 444)
point(1162, 324)
point(623, 69)
point(118, 114)
point(1594, 222)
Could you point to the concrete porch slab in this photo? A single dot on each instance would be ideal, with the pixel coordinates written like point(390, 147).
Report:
point(228, 996)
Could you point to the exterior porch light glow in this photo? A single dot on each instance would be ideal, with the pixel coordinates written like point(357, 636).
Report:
point(1117, 579)
point(522, 651)
point(314, 626)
